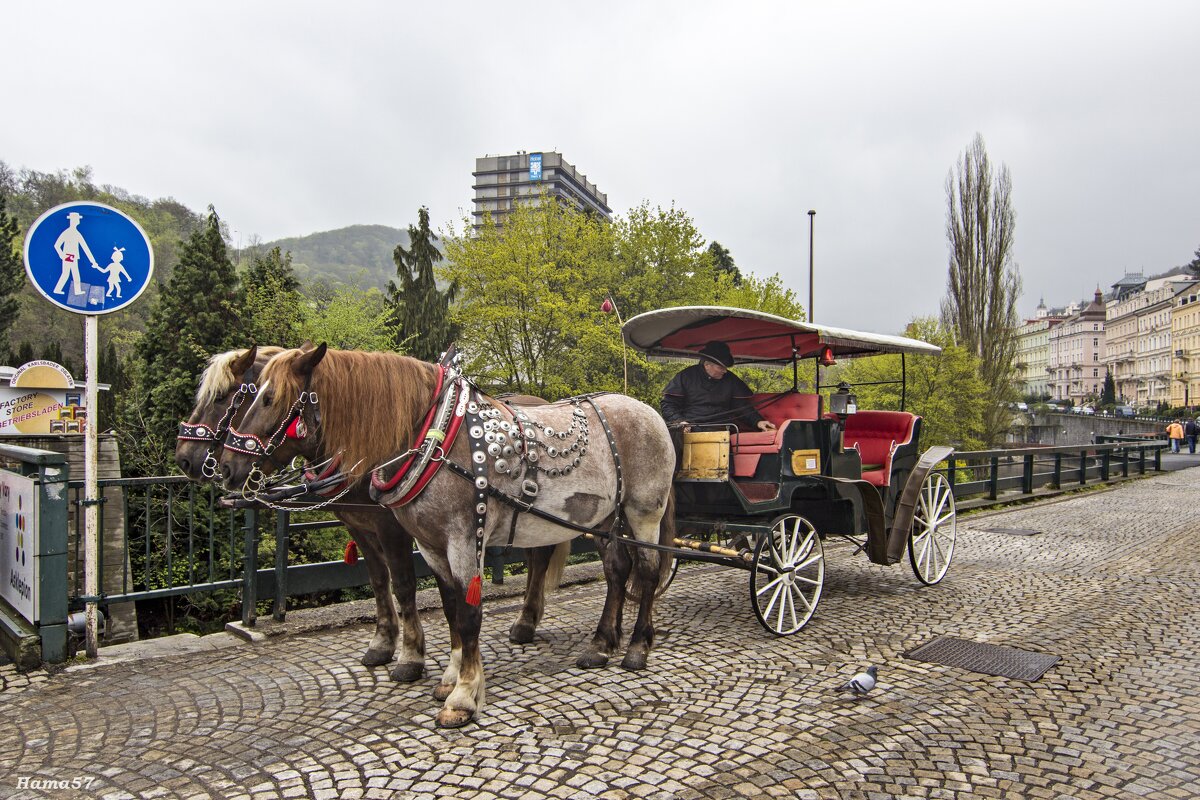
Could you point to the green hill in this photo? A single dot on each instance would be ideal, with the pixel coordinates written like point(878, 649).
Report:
point(360, 255)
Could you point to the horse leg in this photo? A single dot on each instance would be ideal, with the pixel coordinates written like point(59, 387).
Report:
point(387, 626)
point(464, 677)
point(410, 664)
point(543, 562)
point(607, 638)
point(647, 573)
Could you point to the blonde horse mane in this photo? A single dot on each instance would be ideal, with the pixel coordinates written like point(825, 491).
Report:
point(371, 403)
point(218, 376)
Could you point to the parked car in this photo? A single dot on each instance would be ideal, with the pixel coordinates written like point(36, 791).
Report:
point(1124, 411)
point(1087, 410)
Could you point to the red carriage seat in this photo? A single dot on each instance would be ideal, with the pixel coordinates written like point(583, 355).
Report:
point(876, 435)
point(749, 445)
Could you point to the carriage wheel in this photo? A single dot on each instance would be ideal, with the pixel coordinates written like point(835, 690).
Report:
point(787, 575)
point(931, 539)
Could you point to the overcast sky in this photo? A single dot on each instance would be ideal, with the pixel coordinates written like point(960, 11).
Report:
point(295, 117)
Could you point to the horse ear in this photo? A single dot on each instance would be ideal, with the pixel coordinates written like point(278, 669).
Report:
point(242, 363)
point(307, 345)
point(308, 360)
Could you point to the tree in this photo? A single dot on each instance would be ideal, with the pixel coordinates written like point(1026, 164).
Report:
point(1193, 266)
point(274, 307)
point(1108, 396)
point(529, 301)
point(350, 318)
point(195, 316)
point(422, 311)
point(12, 272)
point(983, 284)
point(723, 262)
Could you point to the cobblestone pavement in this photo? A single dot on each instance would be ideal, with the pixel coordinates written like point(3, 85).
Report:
point(725, 710)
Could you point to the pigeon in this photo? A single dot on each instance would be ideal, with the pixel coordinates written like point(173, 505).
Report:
point(861, 683)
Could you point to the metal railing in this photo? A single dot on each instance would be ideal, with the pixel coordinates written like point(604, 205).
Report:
point(1023, 470)
point(177, 541)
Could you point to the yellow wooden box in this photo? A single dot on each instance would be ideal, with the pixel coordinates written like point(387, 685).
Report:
point(705, 455)
point(806, 462)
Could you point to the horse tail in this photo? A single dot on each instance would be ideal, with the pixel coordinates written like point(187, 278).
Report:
point(666, 537)
point(558, 562)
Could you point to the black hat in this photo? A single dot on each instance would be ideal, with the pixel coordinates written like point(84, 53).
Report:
point(718, 352)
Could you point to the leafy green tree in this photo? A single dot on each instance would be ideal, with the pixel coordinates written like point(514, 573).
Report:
point(983, 285)
point(422, 311)
point(196, 315)
point(24, 354)
point(723, 262)
point(274, 309)
point(350, 318)
point(12, 272)
point(945, 390)
point(661, 261)
point(529, 300)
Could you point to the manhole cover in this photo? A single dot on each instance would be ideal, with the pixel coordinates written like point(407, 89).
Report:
point(1013, 531)
point(988, 659)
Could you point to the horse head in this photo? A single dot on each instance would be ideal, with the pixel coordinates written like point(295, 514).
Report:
point(226, 383)
point(280, 423)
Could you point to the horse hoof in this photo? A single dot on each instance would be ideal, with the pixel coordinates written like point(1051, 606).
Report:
point(409, 672)
point(521, 633)
point(634, 660)
point(592, 661)
point(442, 691)
point(454, 717)
point(375, 658)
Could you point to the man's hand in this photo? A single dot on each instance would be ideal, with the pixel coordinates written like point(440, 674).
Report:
point(766, 425)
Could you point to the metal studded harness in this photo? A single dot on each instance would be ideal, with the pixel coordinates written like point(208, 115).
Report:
point(199, 432)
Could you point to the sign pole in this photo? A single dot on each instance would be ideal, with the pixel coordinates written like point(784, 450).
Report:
point(91, 543)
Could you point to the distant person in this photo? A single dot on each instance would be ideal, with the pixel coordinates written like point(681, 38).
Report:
point(707, 393)
point(1175, 434)
point(1189, 432)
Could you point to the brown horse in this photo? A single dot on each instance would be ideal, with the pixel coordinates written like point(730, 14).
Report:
point(369, 407)
point(386, 545)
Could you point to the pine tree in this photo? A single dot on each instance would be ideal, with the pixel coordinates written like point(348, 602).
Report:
point(196, 315)
point(12, 273)
point(1108, 395)
point(723, 262)
point(274, 308)
point(421, 311)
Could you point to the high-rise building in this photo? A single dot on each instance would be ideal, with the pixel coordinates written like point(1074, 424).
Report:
point(502, 181)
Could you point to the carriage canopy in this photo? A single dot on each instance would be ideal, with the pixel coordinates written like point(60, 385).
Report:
point(754, 337)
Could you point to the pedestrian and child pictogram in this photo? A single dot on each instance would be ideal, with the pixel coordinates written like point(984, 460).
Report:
point(61, 258)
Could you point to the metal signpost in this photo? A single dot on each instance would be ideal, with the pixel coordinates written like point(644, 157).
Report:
point(90, 259)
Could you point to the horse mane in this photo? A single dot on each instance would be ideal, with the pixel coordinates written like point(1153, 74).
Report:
point(218, 376)
point(371, 403)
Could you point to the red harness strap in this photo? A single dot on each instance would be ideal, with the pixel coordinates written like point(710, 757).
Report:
point(403, 468)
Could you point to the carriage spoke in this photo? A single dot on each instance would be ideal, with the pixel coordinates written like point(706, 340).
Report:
point(804, 599)
point(811, 561)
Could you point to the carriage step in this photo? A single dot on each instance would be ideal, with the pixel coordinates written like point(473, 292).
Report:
point(758, 492)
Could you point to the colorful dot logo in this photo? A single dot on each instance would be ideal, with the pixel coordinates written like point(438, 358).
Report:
point(20, 526)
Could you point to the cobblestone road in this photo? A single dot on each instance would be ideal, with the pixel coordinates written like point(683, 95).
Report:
point(725, 710)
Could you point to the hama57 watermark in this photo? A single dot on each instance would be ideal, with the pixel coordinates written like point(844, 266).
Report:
point(52, 784)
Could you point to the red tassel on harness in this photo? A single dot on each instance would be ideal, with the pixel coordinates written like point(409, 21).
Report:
point(474, 591)
point(351, 556)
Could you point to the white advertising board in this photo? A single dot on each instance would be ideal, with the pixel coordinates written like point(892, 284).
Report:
point(19, 543)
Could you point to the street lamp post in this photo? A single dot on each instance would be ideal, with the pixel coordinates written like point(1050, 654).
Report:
point(811, 215)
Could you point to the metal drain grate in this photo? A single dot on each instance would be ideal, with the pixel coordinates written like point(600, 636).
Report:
point(988, 659)
point(1013, 531)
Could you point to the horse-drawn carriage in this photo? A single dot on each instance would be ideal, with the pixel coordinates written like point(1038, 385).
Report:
point(378, 428)
point(765, 500)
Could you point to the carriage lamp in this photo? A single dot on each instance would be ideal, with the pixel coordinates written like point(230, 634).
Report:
point(842, 402)
point(826, 358)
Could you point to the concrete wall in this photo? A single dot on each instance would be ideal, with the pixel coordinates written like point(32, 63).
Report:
point(1068, 429)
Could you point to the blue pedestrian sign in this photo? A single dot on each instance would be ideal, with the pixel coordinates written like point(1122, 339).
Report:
point(88, 258)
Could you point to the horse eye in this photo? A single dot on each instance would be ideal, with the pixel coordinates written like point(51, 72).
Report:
point(267, 400)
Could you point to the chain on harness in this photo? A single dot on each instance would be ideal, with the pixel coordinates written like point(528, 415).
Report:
point(199, 432)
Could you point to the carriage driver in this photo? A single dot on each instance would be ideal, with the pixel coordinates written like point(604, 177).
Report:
point(707, 393)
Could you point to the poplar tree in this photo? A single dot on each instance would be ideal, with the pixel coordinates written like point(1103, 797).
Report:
point(420, 309)
point(274, 308)
point(194, 317)
point(983, 284)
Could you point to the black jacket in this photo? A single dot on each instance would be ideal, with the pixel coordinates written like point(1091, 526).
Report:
point(693, 397)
